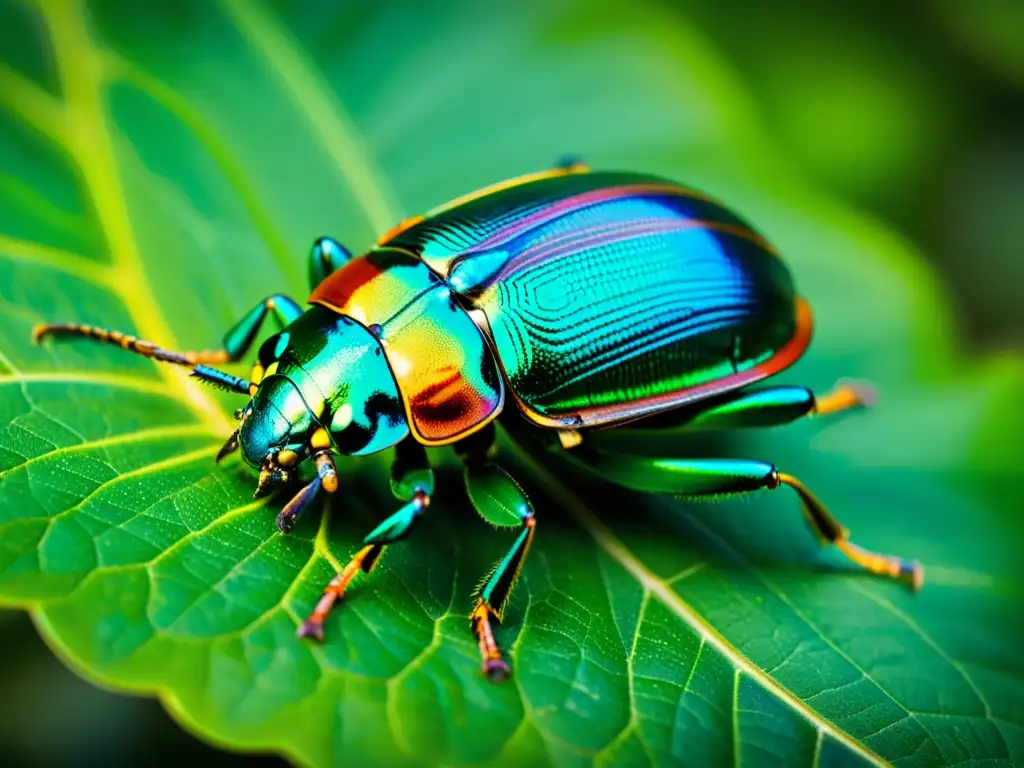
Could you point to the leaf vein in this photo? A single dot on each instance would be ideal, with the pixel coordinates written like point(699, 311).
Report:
point(334, 127)
point(127, 438)
point(607, 541)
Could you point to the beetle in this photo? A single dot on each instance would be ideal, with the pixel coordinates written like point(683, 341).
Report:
point(588, 299)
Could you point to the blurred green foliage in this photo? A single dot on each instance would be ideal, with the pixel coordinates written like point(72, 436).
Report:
point(913, 112)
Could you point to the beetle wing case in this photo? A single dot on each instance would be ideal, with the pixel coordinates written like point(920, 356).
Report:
point(611, 296)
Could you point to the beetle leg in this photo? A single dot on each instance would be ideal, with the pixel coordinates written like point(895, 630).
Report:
point(326, 479)
point(845, 396)
point(494, 592)
point(719, 477)
point(499, 500)
point(325, 256)
point(237, 341)
point(569, 438)
point(412, 481)
point(763, 407)
point(240, 338)
point(130, 343)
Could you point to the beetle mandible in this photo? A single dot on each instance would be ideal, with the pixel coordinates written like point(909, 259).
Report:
point(589, 299)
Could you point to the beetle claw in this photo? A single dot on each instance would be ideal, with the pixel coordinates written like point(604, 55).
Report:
point(496, 670)
point(314, 630)
point(285, 522)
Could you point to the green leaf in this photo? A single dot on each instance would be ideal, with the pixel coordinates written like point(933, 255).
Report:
point(991, 34)
point(163, 167)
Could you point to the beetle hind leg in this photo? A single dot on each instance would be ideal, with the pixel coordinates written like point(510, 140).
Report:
point(831, 531)
point(763, 407)
point(709, 478)
point(499, 500)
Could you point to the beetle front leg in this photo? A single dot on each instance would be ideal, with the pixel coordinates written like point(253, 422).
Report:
point(326, 479)
point(571, 164)
point(237, 341)
point(719, 477)
point(499, 500)
point(412, 481)
point(240, 338)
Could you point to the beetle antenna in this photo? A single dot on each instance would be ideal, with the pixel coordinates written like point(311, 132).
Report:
point(220, 380)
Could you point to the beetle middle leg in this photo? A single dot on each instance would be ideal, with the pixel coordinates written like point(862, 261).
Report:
point(500, 501)
point(412, 481)
point(719, 477)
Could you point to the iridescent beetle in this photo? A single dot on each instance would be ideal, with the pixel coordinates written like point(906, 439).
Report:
point(587, 299)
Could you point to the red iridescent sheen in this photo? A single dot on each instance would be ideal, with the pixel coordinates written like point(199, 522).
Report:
point(446, 374)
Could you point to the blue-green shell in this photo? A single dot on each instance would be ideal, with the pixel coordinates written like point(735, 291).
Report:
point(609, 296)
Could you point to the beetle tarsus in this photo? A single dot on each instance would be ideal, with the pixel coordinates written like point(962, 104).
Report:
point(909, 571)
point(497, 670)
point(364, 560)
point(492, 664)
point(846, 396)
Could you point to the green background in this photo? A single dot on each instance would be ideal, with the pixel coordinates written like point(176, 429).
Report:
point(240, 133)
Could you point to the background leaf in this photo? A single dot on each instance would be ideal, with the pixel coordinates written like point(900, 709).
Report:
point(164, 167)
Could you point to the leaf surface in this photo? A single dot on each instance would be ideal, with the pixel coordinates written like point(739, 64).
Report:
point(162, 168)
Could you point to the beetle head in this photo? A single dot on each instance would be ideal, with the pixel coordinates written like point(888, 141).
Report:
point(274, 430)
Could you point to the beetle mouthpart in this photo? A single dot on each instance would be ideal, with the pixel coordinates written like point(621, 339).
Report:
point(497, 670)
point(267, 481)
point(229, 447)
